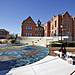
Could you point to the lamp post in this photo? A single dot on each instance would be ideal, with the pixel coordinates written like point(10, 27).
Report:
point(61, 32)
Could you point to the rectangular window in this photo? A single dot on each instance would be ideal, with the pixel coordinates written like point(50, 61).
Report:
point(52, 27)
point(55, 23)
point(55, 33)
point(28, 34)
point(28, 28)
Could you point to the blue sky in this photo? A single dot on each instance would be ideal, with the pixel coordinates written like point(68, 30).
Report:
point(13, 12)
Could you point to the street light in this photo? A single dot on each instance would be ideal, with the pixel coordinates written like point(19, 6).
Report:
point(61, 32)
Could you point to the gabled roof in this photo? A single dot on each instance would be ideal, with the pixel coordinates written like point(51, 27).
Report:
point(66, 13)
point(3, 30)
point(28, 19)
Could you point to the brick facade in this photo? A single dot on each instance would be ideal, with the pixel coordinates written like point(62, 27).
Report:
point(54, 26)
point(68, 23)
point(73, 31)
point(39, 31)
point(28, 27)
point(51, 28)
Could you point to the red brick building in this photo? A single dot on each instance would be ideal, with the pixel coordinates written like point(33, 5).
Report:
point(28, 27)
point(66, 20)
point(51, 28)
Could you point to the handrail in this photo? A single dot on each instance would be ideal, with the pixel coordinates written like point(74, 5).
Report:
point(72, 72)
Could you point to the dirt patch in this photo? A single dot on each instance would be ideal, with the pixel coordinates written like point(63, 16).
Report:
point(6, 58)
point(31, 53)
